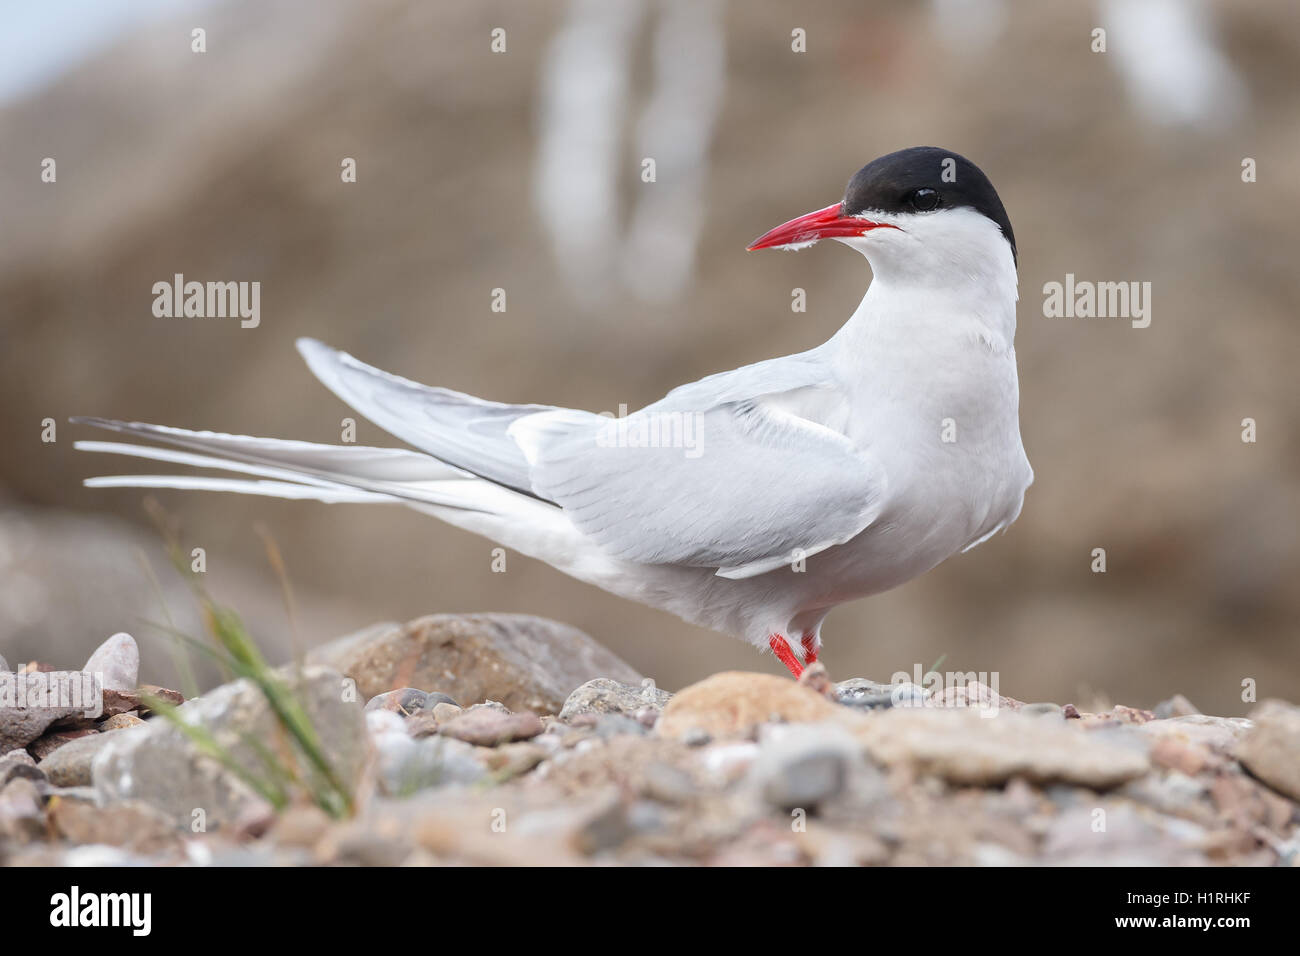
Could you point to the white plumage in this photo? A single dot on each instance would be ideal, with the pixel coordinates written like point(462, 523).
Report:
point(820, 477)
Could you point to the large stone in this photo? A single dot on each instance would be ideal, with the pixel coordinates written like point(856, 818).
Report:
point(118, 661)
point(605, 696)
point(1271, 749)
point(734, 703)
point(21, 723)
point(964, 747)
point(526, 663)
point(158, 764)
point(69, 765)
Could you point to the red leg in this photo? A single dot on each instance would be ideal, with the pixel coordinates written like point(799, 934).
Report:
point(809, 648)
point(781, 648)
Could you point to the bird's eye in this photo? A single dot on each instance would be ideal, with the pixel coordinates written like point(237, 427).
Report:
point(923, 200)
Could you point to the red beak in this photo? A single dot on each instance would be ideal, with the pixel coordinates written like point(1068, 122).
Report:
point(825, 223)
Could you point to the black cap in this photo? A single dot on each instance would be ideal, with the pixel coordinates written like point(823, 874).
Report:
point(899, 183)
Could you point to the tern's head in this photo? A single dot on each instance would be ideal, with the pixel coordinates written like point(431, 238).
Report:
point(920, 214)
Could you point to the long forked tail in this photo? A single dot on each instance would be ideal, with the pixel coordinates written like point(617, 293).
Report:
point(297, 469)
point(468, 471)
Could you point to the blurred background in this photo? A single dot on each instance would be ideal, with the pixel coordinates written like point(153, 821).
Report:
point(521, 170)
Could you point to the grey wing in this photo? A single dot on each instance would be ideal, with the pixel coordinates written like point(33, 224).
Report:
point(745, 486)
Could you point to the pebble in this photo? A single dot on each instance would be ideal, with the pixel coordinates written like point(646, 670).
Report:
point(445, 710)
point(434, 698)
point(407, 765)
point(120, 722)
point(727, 762)
point(605, 696)
point(511, 760)
point(802, 765)
point(116, 662)
point(487, 727)
point(1043, 710)
point(1271, 749)
point(43, 747)
point(963, 746)
point(131, 825)
point(19, 726)
point(301, 825)
point(403, 701)
point(21, 815)
point(863, 693)
point(734, 703)
point(173, 697)
point(1176, 706)
point(668, 784)
point(119, 702)
point(69, 765)
point(19, 763)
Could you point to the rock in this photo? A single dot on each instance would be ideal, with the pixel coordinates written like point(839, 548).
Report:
point(860, 692)
point(614, 725)
point(42, 747)
point(527, 663)
point(1131, 838)
point(301, 825)
point(1219, 733)
point(173, 697)
point(69, 765)
point(1271, 749)
point(974, 694)
point(407, 765)
point(120, 722)
point(604, 829)
point(157, 763)
point(19, 763)
point(1176, 706)
point(422, 723)
point(803, 765)
point(22, 817)
point(1186, 758)
point(488, 728)
point(668, 784)
point(117, 662)
point(1043, 710)
point(734, 703)
point(963, 747)
point(130, 825)
point(434, 698)
point(511, 760)
point(606, 696)
point(404, 701)
point(443, 711)
point(21, 723)
point(119, 702)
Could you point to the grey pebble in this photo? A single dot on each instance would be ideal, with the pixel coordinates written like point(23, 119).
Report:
point(1043, 710)
point(404, 700)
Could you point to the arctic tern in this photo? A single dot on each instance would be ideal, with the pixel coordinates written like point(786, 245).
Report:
point(822, 477)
